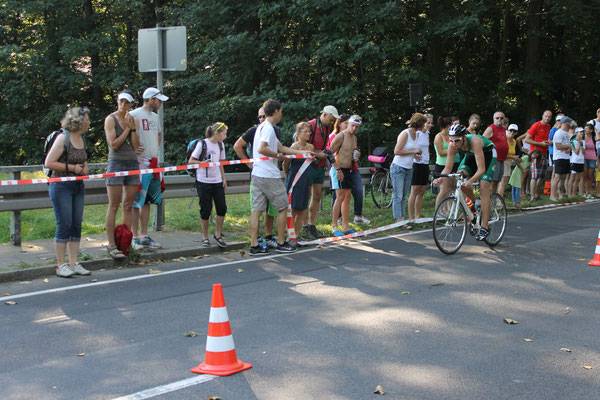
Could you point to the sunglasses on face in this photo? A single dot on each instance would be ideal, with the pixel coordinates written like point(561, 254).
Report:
point(455, 140)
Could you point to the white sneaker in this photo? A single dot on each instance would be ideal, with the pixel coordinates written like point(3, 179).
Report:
point(361, 220)
point(64, 271)
point(79, 270)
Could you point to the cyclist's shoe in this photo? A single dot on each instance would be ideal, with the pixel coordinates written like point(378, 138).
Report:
point(316, 232)
point(482, 234)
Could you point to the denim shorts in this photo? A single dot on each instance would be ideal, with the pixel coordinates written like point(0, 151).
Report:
point(67, 200)
point(590, 163)
point(123, 165)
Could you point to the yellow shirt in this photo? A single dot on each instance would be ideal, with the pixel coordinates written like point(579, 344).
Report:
point(512, 147)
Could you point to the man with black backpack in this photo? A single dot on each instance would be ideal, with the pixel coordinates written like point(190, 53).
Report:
point(321, 128)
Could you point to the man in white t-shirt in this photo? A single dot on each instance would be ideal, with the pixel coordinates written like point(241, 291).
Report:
point(596, 123)
point(266, 179)
point(149, 135)
point(562, 156)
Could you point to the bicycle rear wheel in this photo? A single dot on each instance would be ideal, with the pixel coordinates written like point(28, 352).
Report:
point(497, 221)
point(449, 226)
point(381, 189)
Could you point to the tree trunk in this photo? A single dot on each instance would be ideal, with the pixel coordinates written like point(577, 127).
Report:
point(532, 57)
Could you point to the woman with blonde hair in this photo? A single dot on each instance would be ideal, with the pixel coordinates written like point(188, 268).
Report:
point(67, 157)
point(211, 181)
point(406, 152)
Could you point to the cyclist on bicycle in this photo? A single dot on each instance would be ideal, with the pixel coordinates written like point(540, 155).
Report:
point(477, 164)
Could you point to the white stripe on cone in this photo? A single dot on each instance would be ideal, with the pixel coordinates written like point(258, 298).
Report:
point(219, 344)
point(218, 315)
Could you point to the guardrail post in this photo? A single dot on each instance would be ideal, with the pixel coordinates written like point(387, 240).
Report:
point(15, 218)
point(158, 216)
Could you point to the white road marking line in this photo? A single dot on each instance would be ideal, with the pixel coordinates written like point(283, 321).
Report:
point(210, 266)
point(170, 387)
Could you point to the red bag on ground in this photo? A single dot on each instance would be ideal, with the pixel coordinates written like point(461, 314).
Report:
point(123, 238)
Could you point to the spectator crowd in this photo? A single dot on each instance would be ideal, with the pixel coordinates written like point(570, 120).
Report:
point(555, 155)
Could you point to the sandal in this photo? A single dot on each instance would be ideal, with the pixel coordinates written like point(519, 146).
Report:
point(115, 253)
point(220, 241)
point(205, 243)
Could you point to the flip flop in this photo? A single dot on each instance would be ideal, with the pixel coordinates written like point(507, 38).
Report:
point(205, 243)
point(337, 233)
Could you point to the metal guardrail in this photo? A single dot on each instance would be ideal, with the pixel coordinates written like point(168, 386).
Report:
point(15, 199)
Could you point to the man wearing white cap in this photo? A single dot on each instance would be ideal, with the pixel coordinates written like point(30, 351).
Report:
point(343, 146)
point(321, 128)
point(150, 189)
point(511, 157)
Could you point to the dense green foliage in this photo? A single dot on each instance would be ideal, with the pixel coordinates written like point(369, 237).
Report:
point(360, 55)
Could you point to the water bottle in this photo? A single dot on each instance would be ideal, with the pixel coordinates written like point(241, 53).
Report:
point(478, 205)
point(355, 155)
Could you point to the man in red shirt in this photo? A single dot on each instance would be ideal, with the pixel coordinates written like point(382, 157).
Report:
point(321, 128)
point(537, 137)
point(496, 132)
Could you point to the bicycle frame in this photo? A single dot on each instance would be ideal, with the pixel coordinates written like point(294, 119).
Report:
point(475, 219)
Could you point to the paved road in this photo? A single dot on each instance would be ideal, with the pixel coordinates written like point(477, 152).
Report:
point(329, 323)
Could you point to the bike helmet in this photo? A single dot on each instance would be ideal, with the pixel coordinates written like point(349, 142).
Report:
point(457, 130)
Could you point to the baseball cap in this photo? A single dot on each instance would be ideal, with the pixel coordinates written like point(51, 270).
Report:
point(355, 119)
point(565, 120)
point(125, 96)
point(558, 117)
point(330, 110)
point(579, 129)
point(513, 127)
point(154, 92)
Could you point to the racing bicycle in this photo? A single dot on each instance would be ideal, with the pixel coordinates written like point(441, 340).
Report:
point(453, 218)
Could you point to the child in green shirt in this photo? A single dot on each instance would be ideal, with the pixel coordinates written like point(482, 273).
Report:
point(515, 179)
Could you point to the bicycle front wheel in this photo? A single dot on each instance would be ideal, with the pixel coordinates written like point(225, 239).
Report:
point(381, 189)
point(449, 226)
point(497, 222)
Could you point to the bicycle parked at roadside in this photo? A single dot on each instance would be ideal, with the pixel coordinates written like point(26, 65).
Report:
point(453, 217)
point(381, 181)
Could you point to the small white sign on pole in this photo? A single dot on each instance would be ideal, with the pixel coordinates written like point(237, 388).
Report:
point(174, 48)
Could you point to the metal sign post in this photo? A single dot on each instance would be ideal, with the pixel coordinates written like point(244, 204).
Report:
point(162, 49)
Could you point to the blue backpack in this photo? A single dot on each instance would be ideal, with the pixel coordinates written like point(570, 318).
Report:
point(190, 149)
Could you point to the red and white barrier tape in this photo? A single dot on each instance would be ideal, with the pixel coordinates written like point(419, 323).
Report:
point(142, 171)
point(557, 205)
point(367, 232)
point(290, 220)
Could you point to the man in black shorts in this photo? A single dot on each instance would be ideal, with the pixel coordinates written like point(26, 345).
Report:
point(562, 155)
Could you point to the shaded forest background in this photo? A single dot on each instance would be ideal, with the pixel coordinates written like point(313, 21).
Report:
point(474, 56)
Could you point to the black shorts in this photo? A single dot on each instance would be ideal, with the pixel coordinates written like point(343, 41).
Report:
point(420, 175)
point(562, 166)
point(347, 182)
point(577, 168)
point(439, 168)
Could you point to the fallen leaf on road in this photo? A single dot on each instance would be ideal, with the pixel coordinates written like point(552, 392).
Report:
point(7, 294)
point(93, 280)
point(510, 321)
point(565, 350)
point(211, 397)
point(197, 257)
point(575, 244)
point(182, 259)
point(240, 270)
point(587, 367)
point(515, 292)
point(264, 352)
point(191, 334)
point(567, 310)
point(405, 293)
point(10, 303)
point(378, 390)
point(417, 331)
point(154, 271)
point(242, 253)
point(528, 340)
point(46, 280)
point(581, 259)
point(81, 355)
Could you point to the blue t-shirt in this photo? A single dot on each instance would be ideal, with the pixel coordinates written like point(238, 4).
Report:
point(551, 136)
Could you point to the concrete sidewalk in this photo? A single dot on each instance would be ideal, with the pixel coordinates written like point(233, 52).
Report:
point(37, 258)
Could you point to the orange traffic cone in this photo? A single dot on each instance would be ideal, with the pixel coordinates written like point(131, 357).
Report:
point(596, 260)
point(220, 350)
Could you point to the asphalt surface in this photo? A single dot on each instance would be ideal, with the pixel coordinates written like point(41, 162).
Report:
point(327, 323)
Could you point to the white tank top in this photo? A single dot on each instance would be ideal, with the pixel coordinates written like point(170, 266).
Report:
point(407, 160)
